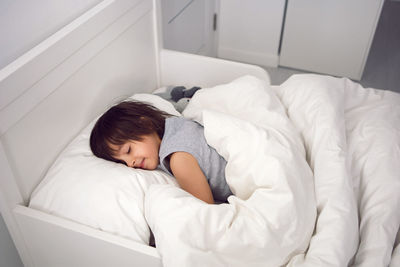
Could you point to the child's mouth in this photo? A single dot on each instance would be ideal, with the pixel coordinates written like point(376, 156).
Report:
point(141, 164)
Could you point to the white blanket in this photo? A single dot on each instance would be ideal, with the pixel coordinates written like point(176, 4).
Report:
point(363, 132)
point(289, 154)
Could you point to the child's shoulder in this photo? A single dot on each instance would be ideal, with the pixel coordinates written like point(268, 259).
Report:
point(181, 122)
point(181, 134)
point(180, 127)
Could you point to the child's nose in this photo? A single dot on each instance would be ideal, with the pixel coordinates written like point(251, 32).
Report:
point(130, 163)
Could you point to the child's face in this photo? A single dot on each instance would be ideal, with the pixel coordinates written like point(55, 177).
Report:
point(140, 154)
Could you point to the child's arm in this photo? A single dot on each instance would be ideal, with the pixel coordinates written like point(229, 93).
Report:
point(190, 177)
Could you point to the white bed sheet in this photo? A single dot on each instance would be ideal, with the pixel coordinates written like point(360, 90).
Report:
point(101, 194)
point(369, 123)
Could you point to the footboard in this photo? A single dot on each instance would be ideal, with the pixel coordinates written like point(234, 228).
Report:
point(179, 68)
point(58, 242)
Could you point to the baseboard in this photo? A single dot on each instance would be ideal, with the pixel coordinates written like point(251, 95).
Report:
point(267, 60)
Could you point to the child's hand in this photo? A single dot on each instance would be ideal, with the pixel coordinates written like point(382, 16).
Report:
point(190, 176)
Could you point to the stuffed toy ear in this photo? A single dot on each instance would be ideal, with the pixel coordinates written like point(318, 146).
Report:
point(180, 92)
point(190, 92)
point(166, 94)
point(179, 96)
point(177, 93)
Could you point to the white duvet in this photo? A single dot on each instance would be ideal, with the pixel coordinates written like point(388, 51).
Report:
point(304, 159)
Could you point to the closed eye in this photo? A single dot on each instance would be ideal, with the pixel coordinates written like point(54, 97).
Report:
point(129, 150)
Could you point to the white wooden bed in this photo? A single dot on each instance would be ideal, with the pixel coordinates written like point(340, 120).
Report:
point(50, 93)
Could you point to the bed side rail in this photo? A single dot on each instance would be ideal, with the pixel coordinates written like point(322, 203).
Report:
point(179, 68)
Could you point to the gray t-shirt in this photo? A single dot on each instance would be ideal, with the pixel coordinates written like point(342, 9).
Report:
point(185, 135)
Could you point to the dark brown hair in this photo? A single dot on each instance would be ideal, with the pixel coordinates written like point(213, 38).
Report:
point(128, 120)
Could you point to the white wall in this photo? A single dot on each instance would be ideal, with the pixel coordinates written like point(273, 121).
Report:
point(249, 31)
point(24, 24)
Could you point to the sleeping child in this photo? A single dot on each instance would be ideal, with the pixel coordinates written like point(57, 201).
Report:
point(141, 136)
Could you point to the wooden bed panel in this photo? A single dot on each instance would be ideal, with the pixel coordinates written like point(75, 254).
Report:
point(46, 97)
point(179, 68)
point(58, 242)
point(113, 65)
point(22, 75)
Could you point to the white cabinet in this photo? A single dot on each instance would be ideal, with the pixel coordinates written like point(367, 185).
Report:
point(249, 31)
point(330, 36)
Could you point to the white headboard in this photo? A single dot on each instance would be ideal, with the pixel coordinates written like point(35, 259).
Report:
point(49, 94)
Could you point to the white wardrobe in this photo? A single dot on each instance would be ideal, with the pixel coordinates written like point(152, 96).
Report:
point(331, 36)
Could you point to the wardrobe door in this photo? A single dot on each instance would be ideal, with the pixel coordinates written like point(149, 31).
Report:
point(187, 26)
point(250, 31)
point(330, 36)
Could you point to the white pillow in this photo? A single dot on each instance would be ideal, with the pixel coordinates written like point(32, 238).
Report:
point(98, 193)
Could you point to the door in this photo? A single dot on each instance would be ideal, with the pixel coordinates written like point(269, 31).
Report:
point(250, 31)
point(331, 36)
point(189, 26)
